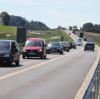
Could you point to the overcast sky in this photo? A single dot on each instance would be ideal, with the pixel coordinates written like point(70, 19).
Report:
point(55, 12)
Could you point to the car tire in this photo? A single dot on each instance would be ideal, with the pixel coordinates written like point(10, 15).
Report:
point(45, 56)
point(67, 50)
point(42, 56)
point(17, 62)
point(23, 56)
point(61, 52)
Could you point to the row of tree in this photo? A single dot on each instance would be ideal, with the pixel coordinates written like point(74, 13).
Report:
point(18, 21)
point(90, 27)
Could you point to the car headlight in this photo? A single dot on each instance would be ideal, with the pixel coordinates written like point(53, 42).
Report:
point(40, 50)
point(6, 55)
point(24, 50)
point(59, 48)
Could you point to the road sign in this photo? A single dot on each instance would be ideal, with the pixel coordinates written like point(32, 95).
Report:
point(21, 35)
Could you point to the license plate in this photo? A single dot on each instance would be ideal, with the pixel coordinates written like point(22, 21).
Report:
point(53, 50)
point(32, 53)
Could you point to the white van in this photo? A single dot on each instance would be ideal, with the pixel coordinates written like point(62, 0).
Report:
point(79, 42)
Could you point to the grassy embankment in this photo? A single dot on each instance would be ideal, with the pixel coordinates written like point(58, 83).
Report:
point(8, 32)
point(96, 37)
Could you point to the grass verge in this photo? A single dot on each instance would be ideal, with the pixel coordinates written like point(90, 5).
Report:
point(8, 32)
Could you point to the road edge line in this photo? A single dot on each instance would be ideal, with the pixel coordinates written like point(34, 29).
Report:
point(80, 93)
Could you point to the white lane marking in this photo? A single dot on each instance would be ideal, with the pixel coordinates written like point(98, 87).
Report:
point(26, 62)
point(34, 66)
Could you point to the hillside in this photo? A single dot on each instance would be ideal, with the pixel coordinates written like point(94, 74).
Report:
point(7, 29)
point(8, 32)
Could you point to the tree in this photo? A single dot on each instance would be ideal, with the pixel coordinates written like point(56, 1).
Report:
point(18, 21)
point(4, 16)
point(36, 25)
point(88, 27)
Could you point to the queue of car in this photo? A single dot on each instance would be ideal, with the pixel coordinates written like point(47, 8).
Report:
point(35, 47)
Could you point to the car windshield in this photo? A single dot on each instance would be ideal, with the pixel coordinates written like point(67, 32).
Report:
point(79, 40)
point(89, 45)
point(64, 43)
point(4, 45)
point(53, 44)
point(33, 43)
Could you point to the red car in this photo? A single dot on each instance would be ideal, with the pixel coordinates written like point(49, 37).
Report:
point(34, 47)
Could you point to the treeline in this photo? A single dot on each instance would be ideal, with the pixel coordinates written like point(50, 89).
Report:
point(18, 21)
point(90, 27)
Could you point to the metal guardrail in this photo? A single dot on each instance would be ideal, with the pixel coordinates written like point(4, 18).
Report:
point(93, 90)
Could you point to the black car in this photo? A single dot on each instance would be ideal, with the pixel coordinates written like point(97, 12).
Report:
point(9, 52)
point(54, 47)
point(89, 46)
point(65, 45)
point(72, 44)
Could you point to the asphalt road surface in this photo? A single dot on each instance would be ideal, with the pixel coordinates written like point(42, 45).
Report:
point(57, 77)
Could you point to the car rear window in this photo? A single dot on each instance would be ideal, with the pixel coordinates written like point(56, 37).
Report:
point(4, 45)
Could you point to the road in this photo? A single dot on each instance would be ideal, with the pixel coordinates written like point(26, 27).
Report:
point(57, 77)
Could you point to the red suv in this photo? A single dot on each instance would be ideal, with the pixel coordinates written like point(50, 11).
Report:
point(34, 47)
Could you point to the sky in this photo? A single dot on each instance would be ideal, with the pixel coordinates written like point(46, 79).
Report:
point(55, 12)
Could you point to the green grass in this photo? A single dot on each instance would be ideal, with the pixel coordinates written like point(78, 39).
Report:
point(8, 32)
point(96, 37)
point(7, 29)
point(51, 35)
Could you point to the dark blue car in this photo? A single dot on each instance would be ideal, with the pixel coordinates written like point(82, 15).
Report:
point(54, 47)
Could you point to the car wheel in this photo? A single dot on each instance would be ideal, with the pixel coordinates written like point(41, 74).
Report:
point(61, 52)
point(42, 56)
point(17, 62)
point(45, 57)
point(23, 56)
point(67, 50)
